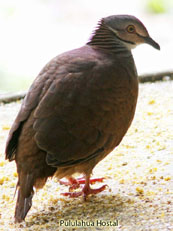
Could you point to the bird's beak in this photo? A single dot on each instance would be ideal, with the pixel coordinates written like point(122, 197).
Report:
point(151, 42)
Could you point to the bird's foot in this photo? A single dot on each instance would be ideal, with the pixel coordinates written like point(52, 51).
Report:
point(91, 181)
point(85, 192)
point(75, 183)
point(72, 182)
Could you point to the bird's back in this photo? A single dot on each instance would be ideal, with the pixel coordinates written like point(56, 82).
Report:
point(80, 101)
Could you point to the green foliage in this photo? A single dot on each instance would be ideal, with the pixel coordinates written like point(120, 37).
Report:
point(157, 6)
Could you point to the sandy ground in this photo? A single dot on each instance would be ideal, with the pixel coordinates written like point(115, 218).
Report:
point(138, 172)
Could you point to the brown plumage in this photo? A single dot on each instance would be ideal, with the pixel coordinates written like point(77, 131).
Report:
point(77, 110)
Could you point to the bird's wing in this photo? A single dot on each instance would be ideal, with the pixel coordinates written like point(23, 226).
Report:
point(30, 101)
point(64, 124)
point(35, 93)
point(68, 117)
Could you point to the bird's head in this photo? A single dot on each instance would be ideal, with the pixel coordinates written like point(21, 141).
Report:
point(129, 30)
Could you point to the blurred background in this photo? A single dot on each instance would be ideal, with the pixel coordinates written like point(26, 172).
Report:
point(33, 32)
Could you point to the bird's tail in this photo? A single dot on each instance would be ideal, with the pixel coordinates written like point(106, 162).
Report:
point(24, 198)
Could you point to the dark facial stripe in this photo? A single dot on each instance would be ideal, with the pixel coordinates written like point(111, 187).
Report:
point(130, 42)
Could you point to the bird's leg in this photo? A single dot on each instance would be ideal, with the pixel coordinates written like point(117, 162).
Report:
point(75, 183)
point(72, 182)
point(86, 190)
point(82, 180)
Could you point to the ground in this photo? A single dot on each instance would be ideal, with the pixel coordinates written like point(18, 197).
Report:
point(138, 172)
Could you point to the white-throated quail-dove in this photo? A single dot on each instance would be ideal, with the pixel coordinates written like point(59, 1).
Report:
point(77, 110)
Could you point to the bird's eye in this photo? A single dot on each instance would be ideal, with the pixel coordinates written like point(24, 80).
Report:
point(131, 29)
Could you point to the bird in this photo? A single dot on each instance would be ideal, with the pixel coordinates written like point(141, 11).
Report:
point(77, 110)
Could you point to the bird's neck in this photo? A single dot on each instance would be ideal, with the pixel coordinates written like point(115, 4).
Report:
point(106, 39)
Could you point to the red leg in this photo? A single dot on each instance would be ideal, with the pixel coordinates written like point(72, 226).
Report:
point(86, 190)
point(72, 182)
point(75, 183)
point(82, 180)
